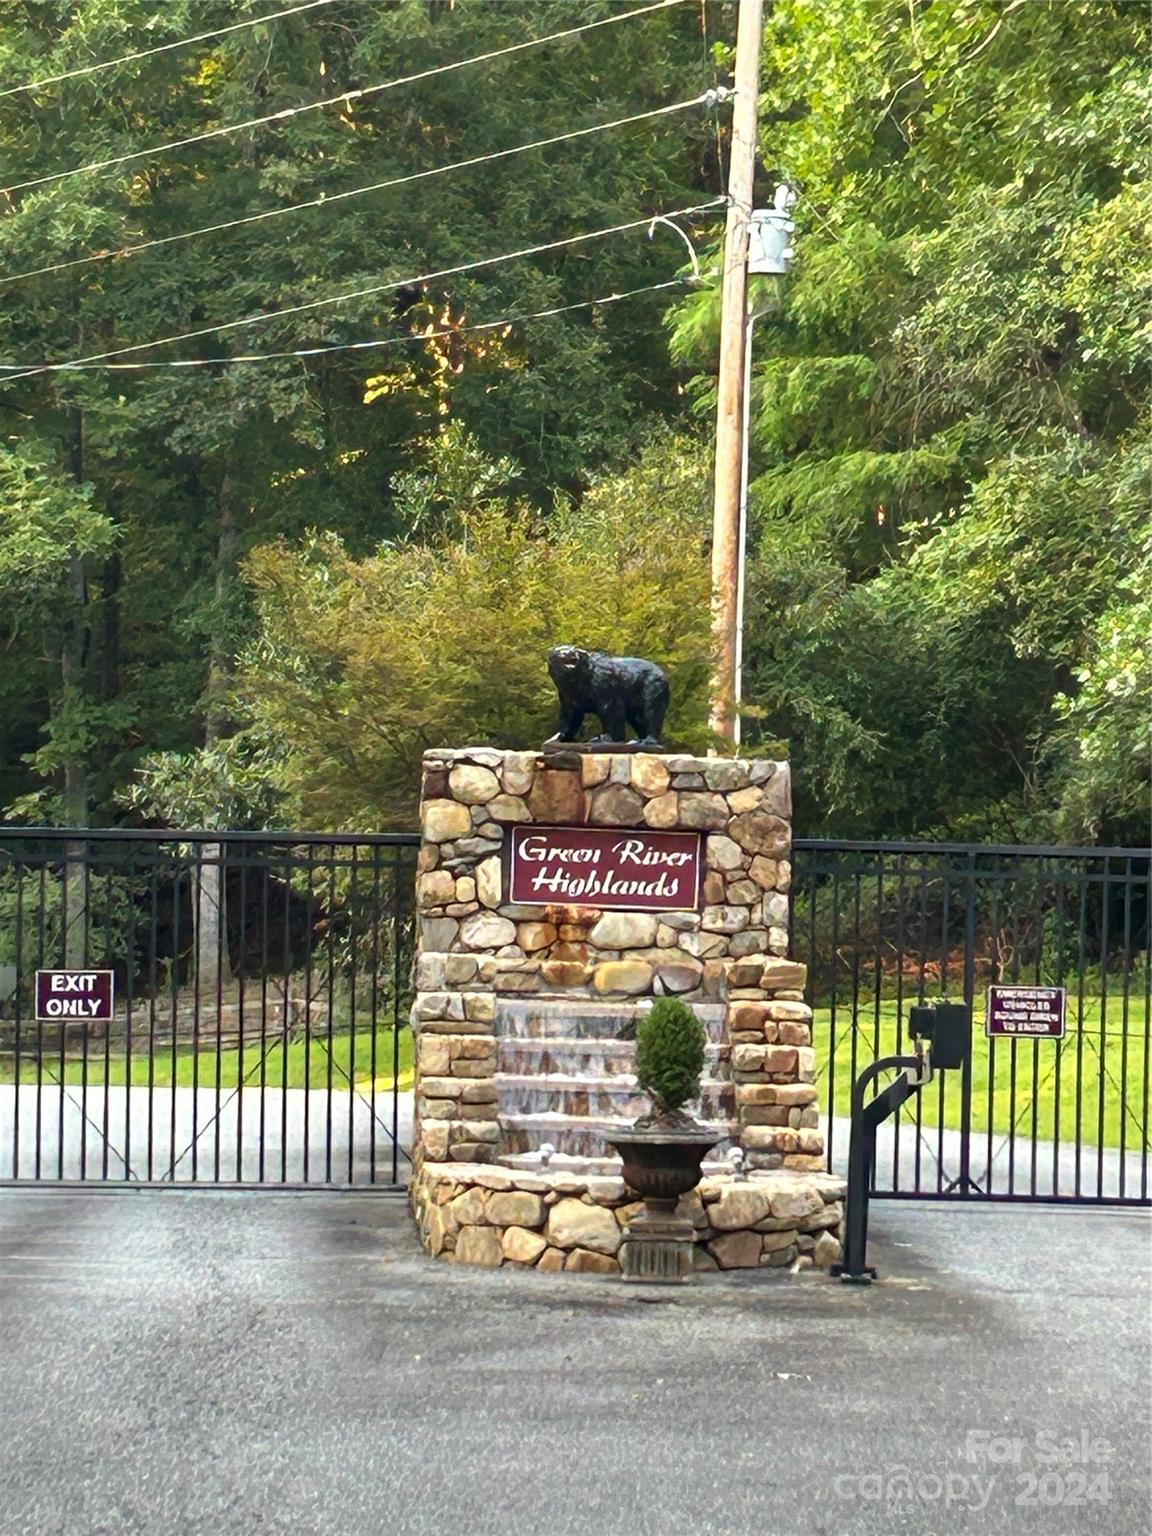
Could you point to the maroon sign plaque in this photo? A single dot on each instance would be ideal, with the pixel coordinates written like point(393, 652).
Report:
point(1035, 1013)
point(74, 995)
point(619, 868)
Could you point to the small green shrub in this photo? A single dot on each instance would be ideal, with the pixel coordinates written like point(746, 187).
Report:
point(670, 1054)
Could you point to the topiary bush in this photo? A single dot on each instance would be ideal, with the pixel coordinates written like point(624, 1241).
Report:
point(670, 1056)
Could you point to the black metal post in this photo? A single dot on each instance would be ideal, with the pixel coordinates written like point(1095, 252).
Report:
point(964, 1181)
point(861, 1154)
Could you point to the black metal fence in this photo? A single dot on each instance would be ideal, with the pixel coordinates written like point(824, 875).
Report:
point(259, 1028)
point(885, 925)
point(258, 1033)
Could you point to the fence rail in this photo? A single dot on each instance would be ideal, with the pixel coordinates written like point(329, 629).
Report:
point(258, 1033)
point(885, 925)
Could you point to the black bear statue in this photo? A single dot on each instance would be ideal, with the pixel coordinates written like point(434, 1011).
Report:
point(621, 691)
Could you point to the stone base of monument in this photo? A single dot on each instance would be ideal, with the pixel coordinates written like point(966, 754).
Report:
point(481, 1213)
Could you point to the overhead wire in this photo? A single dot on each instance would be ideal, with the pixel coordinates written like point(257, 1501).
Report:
point(263, 317)
point(504, 322)
point(326, 199)
point(148, 53)
point(344, 97)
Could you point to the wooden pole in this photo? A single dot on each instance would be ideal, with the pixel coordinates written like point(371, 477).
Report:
point(727, 554)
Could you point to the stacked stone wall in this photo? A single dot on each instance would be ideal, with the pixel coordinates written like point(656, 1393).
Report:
point(476, 1214)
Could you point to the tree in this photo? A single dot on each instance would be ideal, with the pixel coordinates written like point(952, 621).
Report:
point(197, 467)
point(361, 664)
point(951, 404)
point(950, 401)
point(49, 533)
point(1105, 738)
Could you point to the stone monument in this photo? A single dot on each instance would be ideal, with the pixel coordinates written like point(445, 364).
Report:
point(559, 893)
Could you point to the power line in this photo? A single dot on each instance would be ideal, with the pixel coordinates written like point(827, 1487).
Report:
point(147, 53)
point(357, 293)
point(324, 200)
point(389, 341)
point(345, 97)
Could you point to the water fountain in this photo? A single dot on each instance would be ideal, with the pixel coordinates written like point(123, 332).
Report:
point(564, 1078)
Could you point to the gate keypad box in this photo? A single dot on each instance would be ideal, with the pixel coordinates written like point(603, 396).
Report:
point(948, 1029)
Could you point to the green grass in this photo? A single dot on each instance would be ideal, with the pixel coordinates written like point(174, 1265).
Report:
point(1056, 1080)
point(302, 1063)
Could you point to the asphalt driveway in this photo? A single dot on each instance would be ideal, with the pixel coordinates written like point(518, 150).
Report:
point(186, 1363)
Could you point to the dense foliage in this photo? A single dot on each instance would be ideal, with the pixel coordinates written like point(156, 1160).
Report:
point(254, 592)
point(154, 485)
point(359, 664)
point(670, 1044)
point(950, 593)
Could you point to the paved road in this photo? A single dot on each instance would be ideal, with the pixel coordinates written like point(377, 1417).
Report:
point(189, 1363)
point(106, 1134)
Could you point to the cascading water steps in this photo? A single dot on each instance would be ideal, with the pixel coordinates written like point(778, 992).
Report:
point(566, 1080)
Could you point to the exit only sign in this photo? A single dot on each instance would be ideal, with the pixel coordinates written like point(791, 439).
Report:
point(74, 995)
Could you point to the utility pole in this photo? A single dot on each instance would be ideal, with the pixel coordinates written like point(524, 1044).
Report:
point(727, 554)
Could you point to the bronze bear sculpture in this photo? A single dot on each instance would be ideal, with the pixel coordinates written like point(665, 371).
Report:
point(620, 690)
